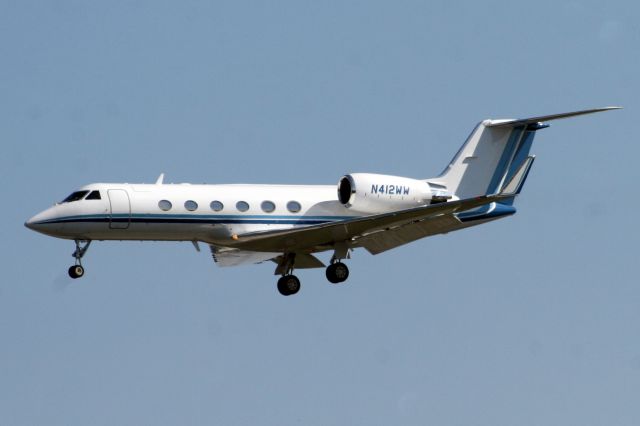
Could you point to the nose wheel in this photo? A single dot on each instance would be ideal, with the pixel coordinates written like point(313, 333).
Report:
point(77, 271)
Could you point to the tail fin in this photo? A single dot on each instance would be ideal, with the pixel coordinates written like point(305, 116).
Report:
point(495, 158)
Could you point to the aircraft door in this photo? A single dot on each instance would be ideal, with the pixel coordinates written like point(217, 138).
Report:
point(120, 217)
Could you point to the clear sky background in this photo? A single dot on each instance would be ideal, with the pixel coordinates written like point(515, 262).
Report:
point(531, 320)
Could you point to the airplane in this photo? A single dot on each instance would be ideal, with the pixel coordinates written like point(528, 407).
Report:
point(289, 224)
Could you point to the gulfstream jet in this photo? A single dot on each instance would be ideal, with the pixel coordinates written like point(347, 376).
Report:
point(289, 224)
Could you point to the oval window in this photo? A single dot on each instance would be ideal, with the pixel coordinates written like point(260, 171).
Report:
point(268, 206)
point(165, 205)
point(190, 205)
point(243, 206)
point(216, 206)
point(294, 206)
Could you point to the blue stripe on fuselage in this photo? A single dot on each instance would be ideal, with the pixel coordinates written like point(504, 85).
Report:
point(207, 219)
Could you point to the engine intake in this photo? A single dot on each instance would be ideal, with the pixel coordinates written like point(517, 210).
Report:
point(373, 193)
point(346, 189)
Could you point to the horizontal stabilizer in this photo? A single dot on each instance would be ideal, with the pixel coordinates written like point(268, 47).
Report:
point(543, 118)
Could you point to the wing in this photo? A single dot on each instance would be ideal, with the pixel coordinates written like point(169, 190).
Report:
point(324, 236)
point(378, 242)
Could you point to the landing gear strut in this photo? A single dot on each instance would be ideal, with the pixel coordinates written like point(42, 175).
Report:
point(77, 271)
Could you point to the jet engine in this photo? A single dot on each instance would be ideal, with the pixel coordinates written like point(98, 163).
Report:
point(373, 193)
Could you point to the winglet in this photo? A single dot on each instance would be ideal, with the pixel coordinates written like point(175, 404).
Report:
point(160, 179)
point(543, 118)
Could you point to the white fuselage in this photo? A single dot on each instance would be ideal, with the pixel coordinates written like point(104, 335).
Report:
point(133, 211)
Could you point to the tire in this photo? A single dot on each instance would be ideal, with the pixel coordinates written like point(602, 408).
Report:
point(76, 271)
point(288, 285)
point(337, 272)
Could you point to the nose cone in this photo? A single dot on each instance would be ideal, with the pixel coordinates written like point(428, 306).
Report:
point(40, 222)
point(35, 223)
point(30, 223)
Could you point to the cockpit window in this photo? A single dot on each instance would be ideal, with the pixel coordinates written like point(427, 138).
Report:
point(95, 195)
point(78, 195)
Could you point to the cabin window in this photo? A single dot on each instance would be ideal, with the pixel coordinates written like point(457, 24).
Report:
point(78, 195)
point(165, 205)
point(95, 195)
point(268, 206)
point(242, 206)
point(294, 206)
point(190, 205)
point(216, 206)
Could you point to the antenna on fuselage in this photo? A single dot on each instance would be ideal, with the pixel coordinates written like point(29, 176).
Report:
point(160, 179)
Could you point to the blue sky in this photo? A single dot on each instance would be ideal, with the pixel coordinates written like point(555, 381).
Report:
point(530, 320)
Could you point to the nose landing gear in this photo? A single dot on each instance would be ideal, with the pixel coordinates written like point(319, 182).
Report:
point(77, 271)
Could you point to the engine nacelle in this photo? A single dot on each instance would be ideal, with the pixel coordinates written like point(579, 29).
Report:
point(372, 193)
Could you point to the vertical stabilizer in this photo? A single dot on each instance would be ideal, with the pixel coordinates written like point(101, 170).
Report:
point(488, 159)
point(496, 156)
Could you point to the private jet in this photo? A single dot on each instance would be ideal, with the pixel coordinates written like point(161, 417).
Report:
point(290, 224)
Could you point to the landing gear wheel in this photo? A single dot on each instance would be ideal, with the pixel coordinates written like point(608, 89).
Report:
point(337, 272)
point(288, 285)
point(76, 271)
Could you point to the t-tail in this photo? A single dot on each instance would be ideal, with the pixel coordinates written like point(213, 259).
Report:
point(496, 157)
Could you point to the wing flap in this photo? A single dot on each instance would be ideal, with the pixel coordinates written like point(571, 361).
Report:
point(382, 241)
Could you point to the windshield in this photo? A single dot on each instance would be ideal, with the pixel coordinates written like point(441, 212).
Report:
point(78, 195)
point(95, 195)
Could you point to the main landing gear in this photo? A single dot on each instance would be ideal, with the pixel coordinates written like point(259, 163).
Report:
point(77, 271)
point(337, 272)
point(289, 284)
